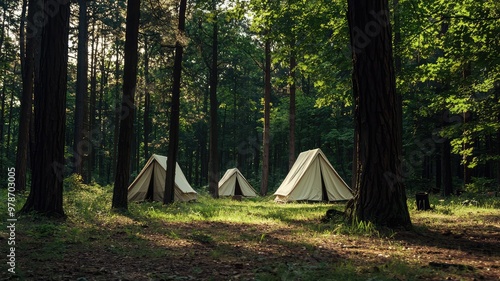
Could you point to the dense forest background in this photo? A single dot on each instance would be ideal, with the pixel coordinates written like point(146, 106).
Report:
point(447, 68)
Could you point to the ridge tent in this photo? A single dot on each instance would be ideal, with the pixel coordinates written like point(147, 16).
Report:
point(150, 183)
point(234, 183)
point(313, 178)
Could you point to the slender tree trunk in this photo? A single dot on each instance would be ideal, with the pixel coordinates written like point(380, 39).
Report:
point(11, 107)
point(100, 150)
point(92, 105)
point(46, 194)
point(126, 134)
point(79, 147)
point(213, 162)
point(438, 172)
point(446, 168)
point(291, 148)
point(380, 192)
point(204, 142)
point(27, 70)
point(267, 115)
point(497, 97)
point(116, 127)
point(147, 101)
point(173, 144)
point(2, 108)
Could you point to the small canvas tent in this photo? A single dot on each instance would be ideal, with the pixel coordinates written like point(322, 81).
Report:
point(150, 183)
point(313, 178)
point(234, 183)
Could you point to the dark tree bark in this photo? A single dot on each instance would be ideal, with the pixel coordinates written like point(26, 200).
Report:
point(173, 144)
point(267, 115)
point(126, 134)
point(380, 192)
point(27, 70)
point(79, 147)
point(213, 162)
point(46, 195)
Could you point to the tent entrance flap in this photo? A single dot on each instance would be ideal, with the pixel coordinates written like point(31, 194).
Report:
point(151, 187)
point(237, 188)
point(324, 193)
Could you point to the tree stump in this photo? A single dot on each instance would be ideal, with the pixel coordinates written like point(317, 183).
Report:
point(422, 201)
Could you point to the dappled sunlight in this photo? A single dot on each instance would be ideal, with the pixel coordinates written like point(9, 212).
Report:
point(253, 240)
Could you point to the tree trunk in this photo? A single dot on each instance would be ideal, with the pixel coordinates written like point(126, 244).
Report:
point(116, 125)
point(92, 105)
point(126, 134)
point(291, 143)
point(27, 70)
point(46, 195)
point(173, 144)
point(213, 162)
point(147, 101)
point(79, 146)
point(267, 115)
point(380, 192)
point(438, 172)
point(497, 96)
point(446, 168)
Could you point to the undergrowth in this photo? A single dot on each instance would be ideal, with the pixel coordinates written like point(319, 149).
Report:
point(90, 224)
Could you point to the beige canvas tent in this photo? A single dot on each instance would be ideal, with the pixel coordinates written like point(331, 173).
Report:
point(234, 183)
point(313, 178)
point(150, 183)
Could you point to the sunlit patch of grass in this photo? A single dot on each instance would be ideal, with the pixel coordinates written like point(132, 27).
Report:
point(153, 230)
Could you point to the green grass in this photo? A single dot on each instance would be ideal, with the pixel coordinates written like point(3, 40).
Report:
point(216, 226)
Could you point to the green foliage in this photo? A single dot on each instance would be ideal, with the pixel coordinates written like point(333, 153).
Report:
point(482, 185)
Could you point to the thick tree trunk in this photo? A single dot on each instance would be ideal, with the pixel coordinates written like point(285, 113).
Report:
point(174, 111)
point(213, 162)
point(126, 134)
point(27, 70)
point(79, 147)
point(46, 195)
point(267, 115)
point(380, 192)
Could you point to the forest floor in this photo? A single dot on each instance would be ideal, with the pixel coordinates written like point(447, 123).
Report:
point(250, 240)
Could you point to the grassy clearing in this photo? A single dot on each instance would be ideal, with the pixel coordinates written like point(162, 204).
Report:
point(254, 239)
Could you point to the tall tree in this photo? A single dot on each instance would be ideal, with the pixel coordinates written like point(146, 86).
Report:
point(147, 100)
point(291, 117)
point(380, 192)
point(126, 133)
point(173, 144)
point(81, 88)
point(46, 195)
point(213, 162)
point(27, 69)
point(267, 116)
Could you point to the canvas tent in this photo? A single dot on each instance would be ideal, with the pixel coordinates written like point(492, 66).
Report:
point(313, 178)
point(150, 183)
point(234, 183)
